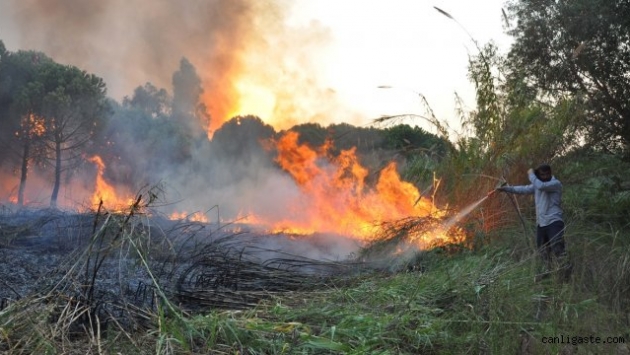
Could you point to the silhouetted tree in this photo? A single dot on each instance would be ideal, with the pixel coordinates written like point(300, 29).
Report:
point(21, 124)
point(74, 106)
point(142, 141)
point(240, 148)
point(151, 100)
point(313, 134)
point(242, 139)
point(188, 109)
point(413, 139)
point(365, 139)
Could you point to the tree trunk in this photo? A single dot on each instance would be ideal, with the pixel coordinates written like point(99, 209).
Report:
point(23, 173)
point(55, 192)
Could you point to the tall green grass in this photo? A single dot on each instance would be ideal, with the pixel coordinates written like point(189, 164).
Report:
point(482, 301)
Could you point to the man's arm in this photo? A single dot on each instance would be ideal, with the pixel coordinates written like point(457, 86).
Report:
point(518, 189)
point(551, 185)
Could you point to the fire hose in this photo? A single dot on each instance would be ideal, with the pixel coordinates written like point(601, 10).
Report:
point(512, 199)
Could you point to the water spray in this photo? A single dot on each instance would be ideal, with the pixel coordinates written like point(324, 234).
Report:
point(468, 209)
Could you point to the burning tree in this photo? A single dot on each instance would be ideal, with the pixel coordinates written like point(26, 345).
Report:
point(22, 127)
point(73, 105)
point(49, 111)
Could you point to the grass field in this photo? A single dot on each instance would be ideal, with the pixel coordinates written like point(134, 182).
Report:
point(483, 298)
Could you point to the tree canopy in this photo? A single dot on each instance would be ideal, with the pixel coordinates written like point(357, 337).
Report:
point(579, 48)
point(74, 106)
point(188, 109)
point(48, 112)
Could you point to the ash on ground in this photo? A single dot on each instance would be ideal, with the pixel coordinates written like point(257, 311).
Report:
point(117, 262)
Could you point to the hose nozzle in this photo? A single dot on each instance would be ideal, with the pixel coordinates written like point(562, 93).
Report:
point(501, 183)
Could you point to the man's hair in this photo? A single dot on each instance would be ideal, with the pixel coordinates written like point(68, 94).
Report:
point(544, 168)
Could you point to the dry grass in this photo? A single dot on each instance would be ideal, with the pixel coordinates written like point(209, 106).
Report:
point(126, 284)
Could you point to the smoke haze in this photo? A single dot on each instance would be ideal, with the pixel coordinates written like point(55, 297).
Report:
point(250, 61)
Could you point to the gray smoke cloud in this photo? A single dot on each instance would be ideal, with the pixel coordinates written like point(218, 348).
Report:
point(129, 43)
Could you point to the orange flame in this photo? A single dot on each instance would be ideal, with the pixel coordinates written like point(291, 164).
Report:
point(103, 191)
point(337, 199)
point(192, 217)
point(32, 126)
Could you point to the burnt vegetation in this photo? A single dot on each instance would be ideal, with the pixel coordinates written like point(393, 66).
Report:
point(87, 274)
point(134, 281)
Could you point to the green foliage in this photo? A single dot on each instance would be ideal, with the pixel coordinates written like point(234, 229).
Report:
point(488, 121)
point(48, 110)
point(17, 98)
point(487, 301)
point(74, 107)
point(21, 134)
point(312, 134)
point(509, 132)
point(578, 48)
point(346, 136)
point(597, 187)
point(483, 301)
point(420, 170)
point(511, 124)
point(406, 138)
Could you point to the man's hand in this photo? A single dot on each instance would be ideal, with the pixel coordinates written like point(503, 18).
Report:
point(500, 187)
point(530, 171)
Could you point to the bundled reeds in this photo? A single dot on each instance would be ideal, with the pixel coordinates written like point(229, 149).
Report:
point(227, 273)
point(122, 278)
point(402, 242)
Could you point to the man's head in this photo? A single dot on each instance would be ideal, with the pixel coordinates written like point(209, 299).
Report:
point(543, 172)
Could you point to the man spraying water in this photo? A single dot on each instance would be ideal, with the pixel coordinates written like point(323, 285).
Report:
point(547, 191)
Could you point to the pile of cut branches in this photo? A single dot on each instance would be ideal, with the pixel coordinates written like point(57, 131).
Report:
point(229, 273)
point(401, 241)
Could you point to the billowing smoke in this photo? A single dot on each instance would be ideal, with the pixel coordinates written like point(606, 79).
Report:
point(249, 59)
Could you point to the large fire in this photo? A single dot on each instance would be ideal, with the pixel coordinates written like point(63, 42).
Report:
point(103, 191)
point(335, 194)
point(336, 197)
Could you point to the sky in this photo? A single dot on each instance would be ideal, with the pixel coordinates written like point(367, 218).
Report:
point(406, 45)
point(285, 61)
